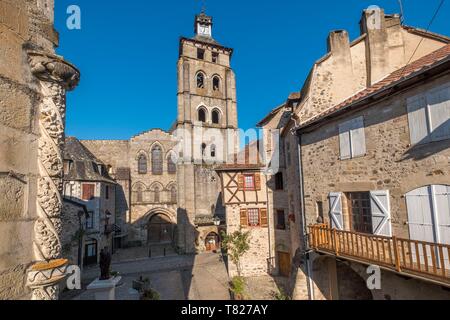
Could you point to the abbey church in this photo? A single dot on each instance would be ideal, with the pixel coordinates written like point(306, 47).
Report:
point(167, 191)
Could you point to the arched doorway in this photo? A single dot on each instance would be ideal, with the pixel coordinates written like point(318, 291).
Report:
point(160, 229)
point(212, 242)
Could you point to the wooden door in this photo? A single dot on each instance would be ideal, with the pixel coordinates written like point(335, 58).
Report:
point(284, 263)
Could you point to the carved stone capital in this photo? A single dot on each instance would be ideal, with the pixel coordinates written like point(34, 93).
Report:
point(52, 68)
point(43, 279)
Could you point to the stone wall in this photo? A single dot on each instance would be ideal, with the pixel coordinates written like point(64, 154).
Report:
point(72, 231)
point(24, 25)
point(389, 164)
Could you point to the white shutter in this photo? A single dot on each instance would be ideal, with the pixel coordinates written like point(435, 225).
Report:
point(381, 213)
point(439, 107)
point(358, 138)
point(345, 141)
point(442, 201)
point(418, 119)
point(337, 220)
point(420, 219)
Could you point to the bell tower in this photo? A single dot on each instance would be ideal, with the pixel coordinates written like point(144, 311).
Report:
point(207, 124)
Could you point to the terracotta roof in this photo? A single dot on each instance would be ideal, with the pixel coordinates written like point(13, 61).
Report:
point(425, 63)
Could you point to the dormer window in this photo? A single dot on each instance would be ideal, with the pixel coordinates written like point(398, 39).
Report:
point(200, 54)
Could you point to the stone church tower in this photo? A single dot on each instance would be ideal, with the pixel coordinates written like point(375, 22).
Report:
point(207, 126)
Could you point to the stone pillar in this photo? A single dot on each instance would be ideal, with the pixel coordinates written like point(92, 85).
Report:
point(54, 78)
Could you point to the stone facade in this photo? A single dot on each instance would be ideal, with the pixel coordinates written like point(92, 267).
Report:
point(187, 197)
point(74, 217)
point(33, 83)
point(349, 67)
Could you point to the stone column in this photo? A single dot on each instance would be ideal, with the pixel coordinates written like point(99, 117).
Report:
point(54, 78)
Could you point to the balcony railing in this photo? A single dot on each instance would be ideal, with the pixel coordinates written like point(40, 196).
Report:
point(408, 257)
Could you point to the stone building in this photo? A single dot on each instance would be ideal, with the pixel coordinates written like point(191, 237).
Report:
point(170, 190)
point(73, 239)
point(384, 46)
point(245, 196)
point(380, 162)
point(86, 181)
point(33, 84)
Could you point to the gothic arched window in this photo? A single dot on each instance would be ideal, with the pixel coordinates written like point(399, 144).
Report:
point(200, 80)
point(203, 149)
point(142, 164)
point(213, 151)
point(171, 166)
point(202, 115)
point(216, 116)
point(216, 83)
point(157, 160)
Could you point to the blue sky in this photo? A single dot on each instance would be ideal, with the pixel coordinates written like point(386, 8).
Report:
point(127, 53)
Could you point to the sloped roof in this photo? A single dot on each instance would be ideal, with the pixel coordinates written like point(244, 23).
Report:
point(423, 64)
point(84, 163)
point(242, 160)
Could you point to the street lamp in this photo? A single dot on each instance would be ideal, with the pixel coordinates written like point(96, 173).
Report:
point(217, 221)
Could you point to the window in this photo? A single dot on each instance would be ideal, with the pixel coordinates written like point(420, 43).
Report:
point(142, 164)
point(139, 194)
point(215, 57)
point(157, 160)
point(253, 218)
point(281, 220)
point(203, 149)
point(107, 192)
point(171, 166)
point(200, 80)
point(429, 116)
point(213, 151)
point(173, 194)
point(360, 212)
point(95, 167)
point(202, 115)
point(88, 192)
point(216, 83)
point(157, 194)
point(200, 54)
point(216, 117)
point(67, 167)
point(249, 182)
point(90, 221)
point(352, 139)
point(279, 183)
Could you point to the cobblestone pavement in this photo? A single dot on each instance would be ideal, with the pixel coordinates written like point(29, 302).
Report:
point(264, 287)
point(201, 277)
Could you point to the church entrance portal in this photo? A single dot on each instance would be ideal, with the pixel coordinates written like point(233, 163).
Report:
point(160, 230)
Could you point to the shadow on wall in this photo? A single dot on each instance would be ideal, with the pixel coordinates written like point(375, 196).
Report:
point(430, 145)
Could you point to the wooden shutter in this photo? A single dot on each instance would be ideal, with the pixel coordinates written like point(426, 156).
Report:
point(418, 119)
point(264, 218)
point(381, 213)
point(420, 219)
point(337, 220)
point(345, 141)
point(358, 137)
point(88, 191)
point(258, 182)
point(244, 218)
point(241, 182)
point(438, 101)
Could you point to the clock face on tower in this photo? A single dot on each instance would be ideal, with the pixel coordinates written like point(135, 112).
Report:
point(204, 30)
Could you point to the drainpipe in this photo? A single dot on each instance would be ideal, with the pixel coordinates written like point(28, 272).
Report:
point(304, 230)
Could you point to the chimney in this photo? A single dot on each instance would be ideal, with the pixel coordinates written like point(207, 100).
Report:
point(373, 19)
point(338, 42)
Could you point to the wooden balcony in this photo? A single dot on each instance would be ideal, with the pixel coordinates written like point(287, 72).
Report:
point(416, 259)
